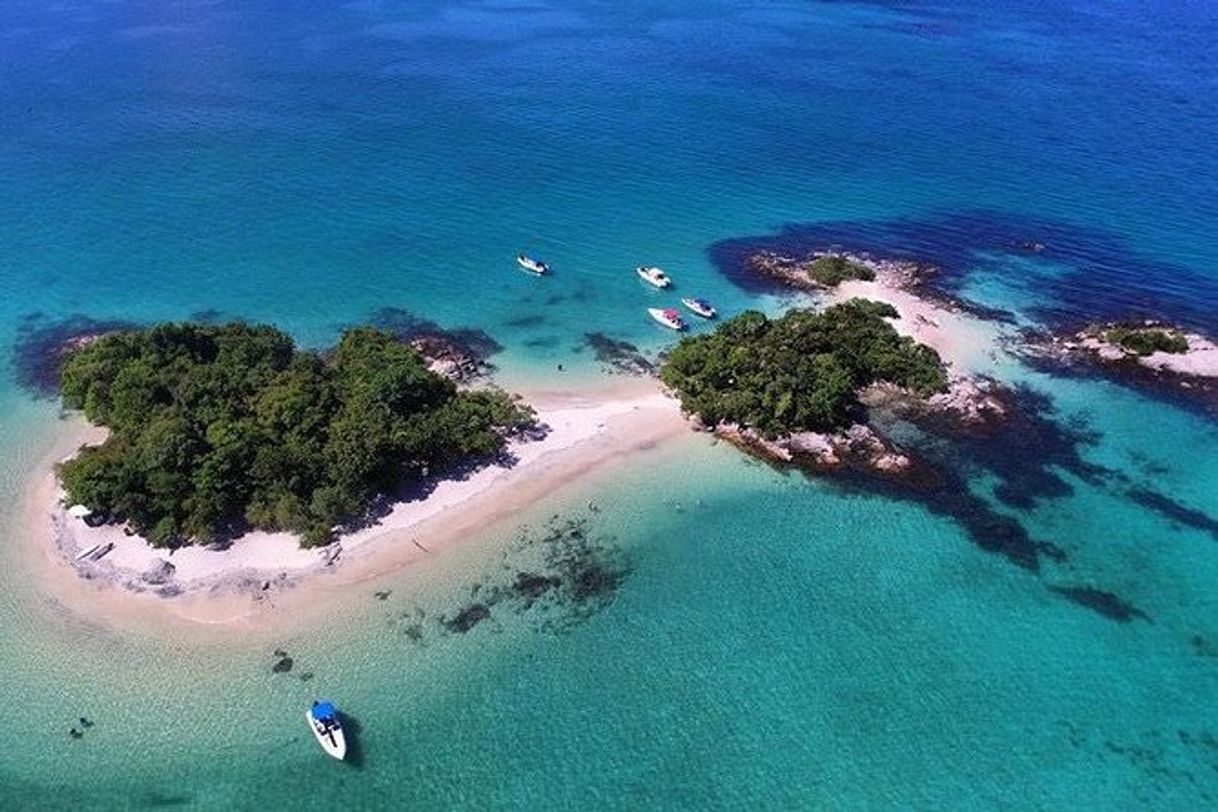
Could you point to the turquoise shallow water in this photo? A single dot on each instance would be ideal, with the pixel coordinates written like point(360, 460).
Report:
point(773, 642)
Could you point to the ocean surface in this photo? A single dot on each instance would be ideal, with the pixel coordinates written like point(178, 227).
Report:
point(1045, 638)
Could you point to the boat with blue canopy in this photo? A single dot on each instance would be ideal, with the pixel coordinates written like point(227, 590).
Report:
point(327, 728)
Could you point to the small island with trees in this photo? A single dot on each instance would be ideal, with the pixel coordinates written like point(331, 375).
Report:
point(1150, 355)
point(817, 271)
point(789, 388)
point(215, 430)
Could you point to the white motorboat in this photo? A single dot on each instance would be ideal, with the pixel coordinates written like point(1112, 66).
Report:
point(327, 729)
point(532, 264)
point(668, 316)
point(653, 276)
point(700, 306)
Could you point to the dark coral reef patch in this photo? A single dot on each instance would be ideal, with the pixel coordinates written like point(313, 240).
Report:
point(41, 343)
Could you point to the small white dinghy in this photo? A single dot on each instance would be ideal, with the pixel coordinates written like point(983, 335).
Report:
point(700, 306)
point(668, 316)
point(653, 276)
point(327, 729)
point(532, 264)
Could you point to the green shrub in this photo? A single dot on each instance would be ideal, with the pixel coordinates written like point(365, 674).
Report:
point(832, 269)
point(798, 372)
point(218, 428)
point(1146, 341)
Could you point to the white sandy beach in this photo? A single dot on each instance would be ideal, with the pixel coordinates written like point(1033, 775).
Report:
point(269, 575)
point(966, 343)
point(586, 431)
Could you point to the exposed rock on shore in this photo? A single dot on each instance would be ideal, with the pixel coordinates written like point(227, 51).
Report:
point(460, 353)
point(1160, 357)
point(445, 357)
point(159, 573)
point(859, 447)
point(972, 404)
point(916, 278)
point(819, 270)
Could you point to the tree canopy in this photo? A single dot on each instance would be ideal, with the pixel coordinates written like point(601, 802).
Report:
point(218, 428)
point(831, 270)
point(798, 372)
point(1147, 341)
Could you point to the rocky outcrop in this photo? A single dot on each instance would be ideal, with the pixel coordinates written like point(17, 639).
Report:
point(445, 357)
point(972, 405)
point(858, 446)
point(1187, 377)
point(160, 572)
point(917, 278)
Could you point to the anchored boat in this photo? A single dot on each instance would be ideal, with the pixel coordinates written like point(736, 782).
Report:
point(700, 306)
point(327, 729)
point(668, 316)
point(653, 276)
point(532, 264)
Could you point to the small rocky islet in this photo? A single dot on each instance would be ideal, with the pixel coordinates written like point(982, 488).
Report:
point(1154, 356)
point(860, 360)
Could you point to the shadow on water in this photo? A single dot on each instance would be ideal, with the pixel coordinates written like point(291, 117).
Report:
point(1105, 277)
point(1174, 511)
point(1024, 453)
point(162, 800)
point(1102, 602)
point(353, 731)
point(38, 349)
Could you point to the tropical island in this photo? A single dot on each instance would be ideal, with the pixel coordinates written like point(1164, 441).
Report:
point(790, 388)
point(799, 372)
point(818, 270)
point(216, 430)
point(1151, 355)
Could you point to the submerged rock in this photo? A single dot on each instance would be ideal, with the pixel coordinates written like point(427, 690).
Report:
point(283, 665)
point(531, 585)
point(1104, 603)
point(42, 344)
point(160, 572)
point(618, 355)
point(468, 618)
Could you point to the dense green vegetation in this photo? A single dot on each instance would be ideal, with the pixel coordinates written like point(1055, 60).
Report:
point(218, 428)
point(831, 269)
point(1145, 341)
point(800, 371)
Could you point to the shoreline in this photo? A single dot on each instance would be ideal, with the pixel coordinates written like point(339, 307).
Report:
point(264, 576)
point(968, 344)
point(267, 575)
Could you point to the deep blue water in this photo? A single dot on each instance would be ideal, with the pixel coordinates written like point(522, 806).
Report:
point(796, 644)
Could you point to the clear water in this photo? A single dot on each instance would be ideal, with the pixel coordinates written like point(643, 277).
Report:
point(778, 642)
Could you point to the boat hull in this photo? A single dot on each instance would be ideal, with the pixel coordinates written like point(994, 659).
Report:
point(333, 741)
point(646, 276)
point(535, 268)
point(664, 319)
point(699, 310)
